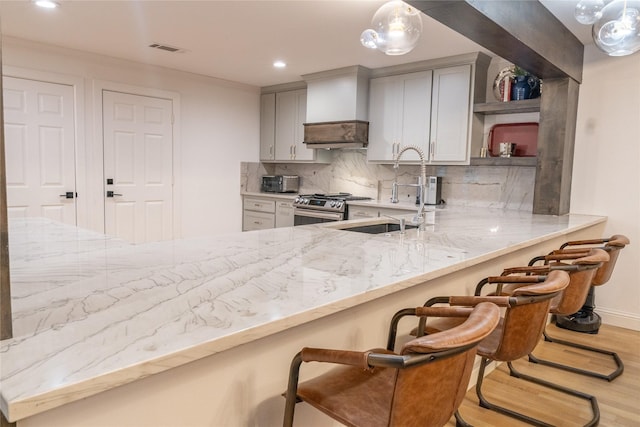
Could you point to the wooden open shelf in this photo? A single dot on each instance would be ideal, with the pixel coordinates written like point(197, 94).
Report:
point(503, 161)
point(524, 106)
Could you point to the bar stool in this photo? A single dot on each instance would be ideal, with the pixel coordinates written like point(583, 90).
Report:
point(518, 332)
point(421, 386)
point(602, 275)
point(586, 319)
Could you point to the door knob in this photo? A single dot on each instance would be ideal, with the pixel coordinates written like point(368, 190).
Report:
point(68, 195)
point(112, 194)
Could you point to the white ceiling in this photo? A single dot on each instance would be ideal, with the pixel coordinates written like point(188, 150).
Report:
point(235, 40)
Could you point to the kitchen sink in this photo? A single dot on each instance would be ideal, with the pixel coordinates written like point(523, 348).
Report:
point(386, 227)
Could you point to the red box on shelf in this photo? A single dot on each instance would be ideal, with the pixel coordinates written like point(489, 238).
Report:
point(524, 135)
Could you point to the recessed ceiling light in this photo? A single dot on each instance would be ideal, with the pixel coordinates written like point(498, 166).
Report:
point(279, 64)
point(47, 4)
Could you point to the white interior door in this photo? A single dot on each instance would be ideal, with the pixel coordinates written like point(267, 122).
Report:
point(138, 166)
point(40, 149)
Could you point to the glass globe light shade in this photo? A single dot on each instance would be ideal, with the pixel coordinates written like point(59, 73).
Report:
point(369, 39)
point(588, 11)
point(396, 29)
point(617, 32)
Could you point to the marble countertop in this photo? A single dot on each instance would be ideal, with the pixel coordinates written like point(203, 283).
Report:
point(93, 312)
point(279, 196)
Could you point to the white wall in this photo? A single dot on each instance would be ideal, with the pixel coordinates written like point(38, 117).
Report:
point(606, 172)
point(218, 129)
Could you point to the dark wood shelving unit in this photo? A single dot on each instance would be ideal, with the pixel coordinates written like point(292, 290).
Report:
point(503, 161)
point(524, 106)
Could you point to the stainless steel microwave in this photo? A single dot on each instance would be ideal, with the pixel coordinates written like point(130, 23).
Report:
point(280, 184)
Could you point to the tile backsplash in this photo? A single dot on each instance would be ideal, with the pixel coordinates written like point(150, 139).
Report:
point(508, 187)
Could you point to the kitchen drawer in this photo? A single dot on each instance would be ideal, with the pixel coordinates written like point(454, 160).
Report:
point(259, 205)
point(258, 221)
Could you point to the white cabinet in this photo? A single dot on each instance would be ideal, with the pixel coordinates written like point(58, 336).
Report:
point(284, 214)
point(291, 112)
point(451, 108)
point(282, 117)
point(399, 114)
point(267, 126)
point(258, 214)
point(429, 109)
point(257, 221)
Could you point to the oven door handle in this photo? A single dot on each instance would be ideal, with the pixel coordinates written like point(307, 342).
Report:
point(317, 214)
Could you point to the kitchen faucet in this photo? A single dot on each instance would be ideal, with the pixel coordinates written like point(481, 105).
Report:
point(422, 180)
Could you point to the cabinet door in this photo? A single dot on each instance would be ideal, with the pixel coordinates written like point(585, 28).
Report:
point(284, 214)
point(286, 121)
point(300, 150)
point(291, 112)
point(450, 114)
point(267, 126)
point(385, 116)
point(399, 114)
point(416, 113)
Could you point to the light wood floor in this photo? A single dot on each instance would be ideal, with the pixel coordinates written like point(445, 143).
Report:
point(619, 400)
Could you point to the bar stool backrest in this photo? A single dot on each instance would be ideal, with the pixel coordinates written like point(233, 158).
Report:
point(524, 319)
point(613, 247)
point(582, 271)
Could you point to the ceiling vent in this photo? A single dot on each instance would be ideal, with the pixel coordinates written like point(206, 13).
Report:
point(166, 47)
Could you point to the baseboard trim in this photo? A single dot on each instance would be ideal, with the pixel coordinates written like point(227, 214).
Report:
point(619, 319)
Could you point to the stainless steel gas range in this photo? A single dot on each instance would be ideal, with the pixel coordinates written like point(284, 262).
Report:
point(317, 208)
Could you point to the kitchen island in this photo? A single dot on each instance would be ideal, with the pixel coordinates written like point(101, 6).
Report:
point(200, 332)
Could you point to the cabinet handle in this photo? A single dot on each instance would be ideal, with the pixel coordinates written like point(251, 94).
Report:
point(293, 147)
point(271, 149)
point(432, 149)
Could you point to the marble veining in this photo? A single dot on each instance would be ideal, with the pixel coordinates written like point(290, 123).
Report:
point(504, 187)
point(93, 312)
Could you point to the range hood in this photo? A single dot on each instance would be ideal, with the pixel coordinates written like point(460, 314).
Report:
point(337, 108)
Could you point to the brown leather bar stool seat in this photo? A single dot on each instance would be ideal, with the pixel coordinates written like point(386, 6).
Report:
point(593, 269)
point(420, 386)
point(517, 334)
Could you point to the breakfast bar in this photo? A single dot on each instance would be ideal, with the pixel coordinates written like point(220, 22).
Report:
point(200, 332)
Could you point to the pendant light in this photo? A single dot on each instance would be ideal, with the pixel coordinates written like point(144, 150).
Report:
point(396, 29)
point(588, 11)
point(616, 25)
